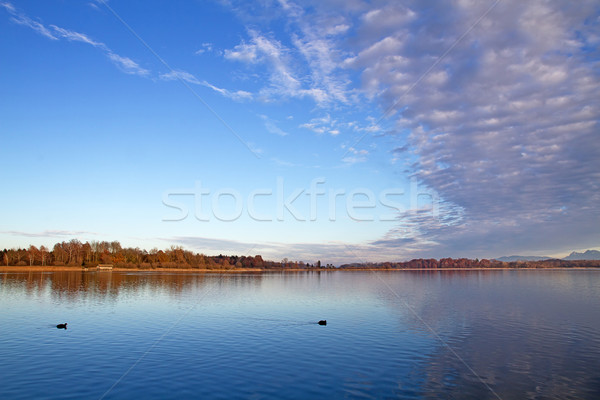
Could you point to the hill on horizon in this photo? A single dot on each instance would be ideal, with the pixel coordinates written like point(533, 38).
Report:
point(522, 258)
point(587, 255)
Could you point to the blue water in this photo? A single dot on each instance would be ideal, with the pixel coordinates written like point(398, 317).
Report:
point(412, 335)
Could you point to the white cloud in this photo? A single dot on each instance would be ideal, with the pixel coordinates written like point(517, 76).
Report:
point(335, 127)
point(50, 233)
point(320, 124)
point(237, 95)
point(36, 26)
point(190, 78)
point(269, 52)
point(504, 127)
point(180, 75)
point(206, 48)
point(337, 29)
point(309, 68)
point(355, 151)
point(9, 7)
point(355, 156)
point(313, 127)
point(243, 52)
point(389, 17)
point(127, 65)
point(254, 148)
point(272, 127)
point(76, 37)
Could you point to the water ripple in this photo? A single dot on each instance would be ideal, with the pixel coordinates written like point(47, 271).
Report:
point(178, 336)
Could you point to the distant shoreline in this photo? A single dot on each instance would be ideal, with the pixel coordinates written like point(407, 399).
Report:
point(261, 270)
point(73, 255)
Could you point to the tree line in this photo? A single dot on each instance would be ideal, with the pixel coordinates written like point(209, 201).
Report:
point(466, 263)
point(93, 253)
point(90, 254)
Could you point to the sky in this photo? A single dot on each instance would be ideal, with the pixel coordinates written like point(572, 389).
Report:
point(340, 131)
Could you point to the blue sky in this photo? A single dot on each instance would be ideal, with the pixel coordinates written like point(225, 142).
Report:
point(335, 130)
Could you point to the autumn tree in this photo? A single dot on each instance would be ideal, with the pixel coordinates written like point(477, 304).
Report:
point(58, 253)
point(74, 252)
point(43, 252)
point(86, 250)
point(96, 249)
point(33, 254)
point(115, 247)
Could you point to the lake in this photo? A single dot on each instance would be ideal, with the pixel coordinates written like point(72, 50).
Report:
point(529, 334)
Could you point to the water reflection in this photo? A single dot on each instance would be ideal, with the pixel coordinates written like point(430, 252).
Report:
point(525, 334)
point(408, 334)
point(75, 286)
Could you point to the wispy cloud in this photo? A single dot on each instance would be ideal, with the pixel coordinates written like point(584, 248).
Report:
point(185, 76)
point(321, 125)
point(234, 95)
point(243, 52)
point(326, 124)
point(355, 156)
point(22, 19)
point(286, 79)
point(9, 7)
point(271, 53)
point(190, 78)
point(50, 233)
point(54, 32)
point(271, 126)
point(127, 65)
point(76, 37)
point(206, 48)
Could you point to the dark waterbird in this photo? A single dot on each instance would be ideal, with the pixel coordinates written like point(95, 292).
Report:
point(62, 326)
point(322, 322)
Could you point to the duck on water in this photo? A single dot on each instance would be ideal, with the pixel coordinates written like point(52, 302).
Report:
point(62, 326)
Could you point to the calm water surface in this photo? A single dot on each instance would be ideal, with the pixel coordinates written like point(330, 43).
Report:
point(413, 335)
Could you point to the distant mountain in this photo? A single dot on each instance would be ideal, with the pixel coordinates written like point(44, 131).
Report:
point(587, 255)
point(522, 258)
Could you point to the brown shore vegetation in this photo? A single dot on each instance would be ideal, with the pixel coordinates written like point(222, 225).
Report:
point(75, 254)
point(66, 255)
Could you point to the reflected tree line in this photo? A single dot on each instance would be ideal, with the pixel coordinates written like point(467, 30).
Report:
point(76, 283)
point(93, 253)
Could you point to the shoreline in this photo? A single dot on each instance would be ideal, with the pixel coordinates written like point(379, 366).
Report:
point(263, 270)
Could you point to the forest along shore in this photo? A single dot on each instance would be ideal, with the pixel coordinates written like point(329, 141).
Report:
point(413, 265)
point(89, 255)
